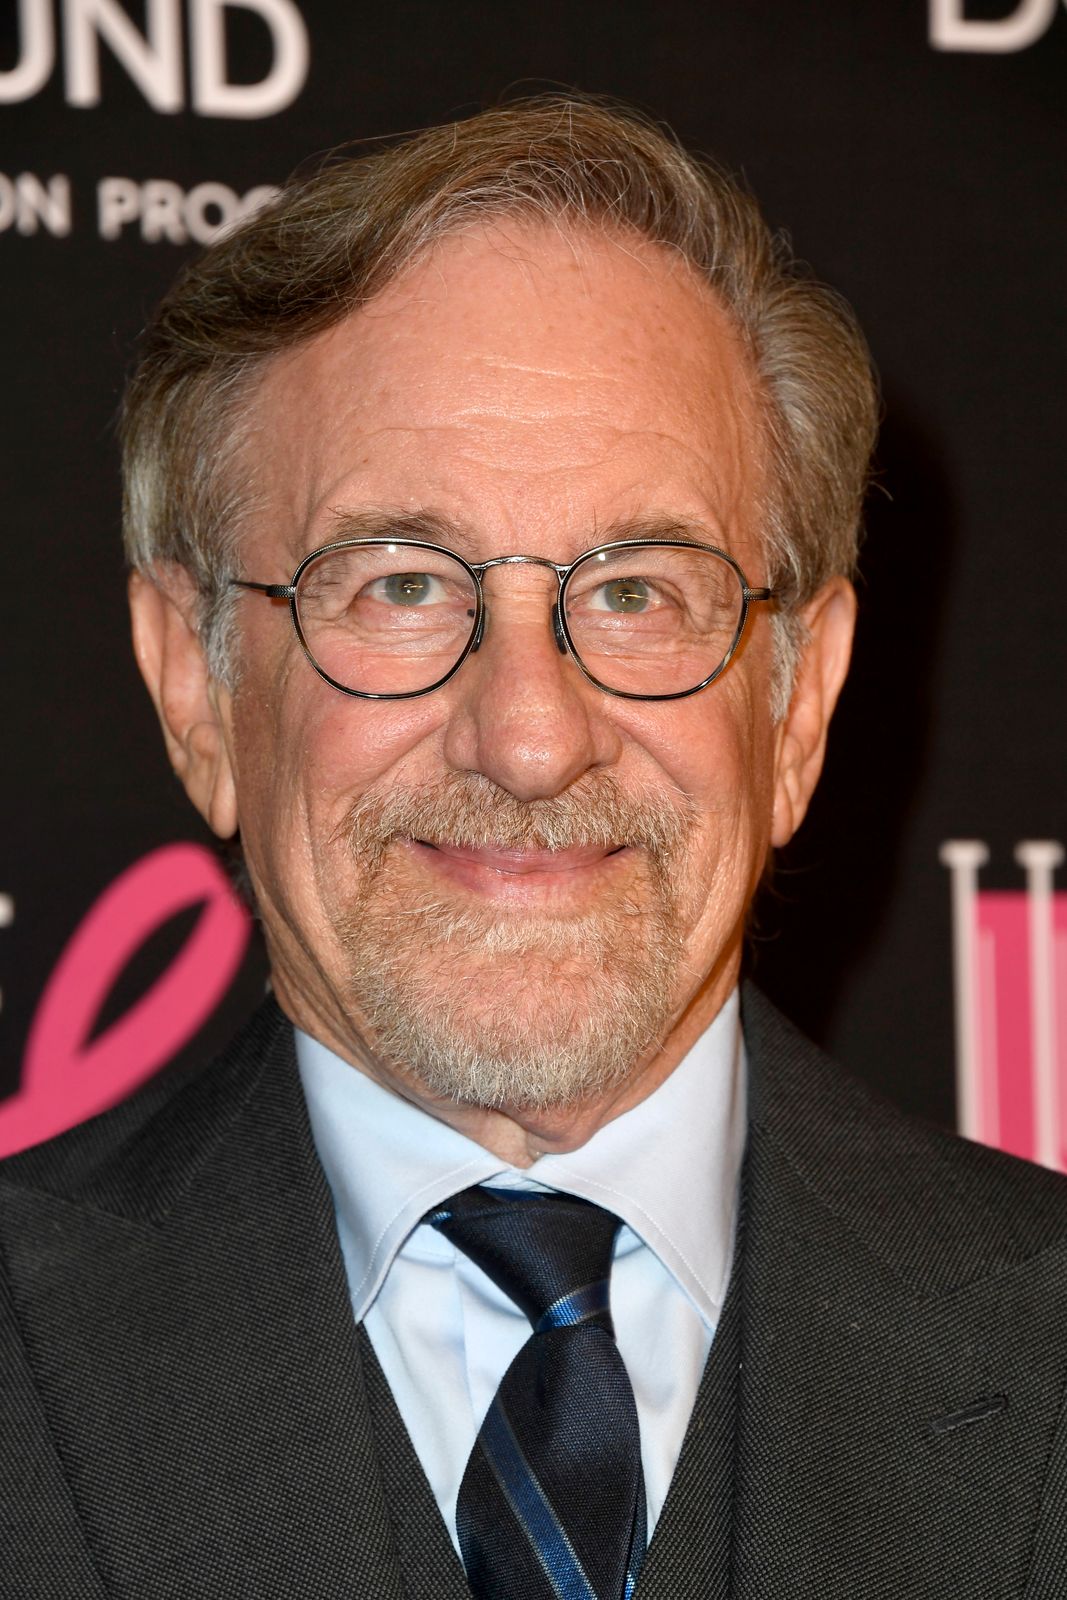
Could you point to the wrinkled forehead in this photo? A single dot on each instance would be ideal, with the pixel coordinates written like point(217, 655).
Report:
point(520, 374)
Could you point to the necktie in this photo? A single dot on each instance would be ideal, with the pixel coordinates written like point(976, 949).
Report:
point(552, 1502)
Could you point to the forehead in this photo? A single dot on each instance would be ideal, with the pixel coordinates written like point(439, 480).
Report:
point(528, 382)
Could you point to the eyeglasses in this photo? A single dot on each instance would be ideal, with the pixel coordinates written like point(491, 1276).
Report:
point(388, 619)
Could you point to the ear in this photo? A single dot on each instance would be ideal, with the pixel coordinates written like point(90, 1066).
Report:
point(830, 619)
point(193, 709)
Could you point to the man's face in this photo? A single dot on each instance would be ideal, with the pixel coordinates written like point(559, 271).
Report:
point(537, 392)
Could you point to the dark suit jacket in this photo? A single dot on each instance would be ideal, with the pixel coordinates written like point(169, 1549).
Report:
point(186, 1409)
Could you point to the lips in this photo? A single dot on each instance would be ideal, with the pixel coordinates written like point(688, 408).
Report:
point(520, 863)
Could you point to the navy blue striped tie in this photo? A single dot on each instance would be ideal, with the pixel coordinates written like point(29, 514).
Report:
point(552, 1503)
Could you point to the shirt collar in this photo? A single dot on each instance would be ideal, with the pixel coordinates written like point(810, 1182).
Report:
point(669, 1167)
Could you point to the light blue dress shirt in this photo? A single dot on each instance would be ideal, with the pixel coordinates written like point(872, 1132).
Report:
point(445, 1334)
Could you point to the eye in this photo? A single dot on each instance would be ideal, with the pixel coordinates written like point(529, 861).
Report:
point(621, 594)
point(407, 588)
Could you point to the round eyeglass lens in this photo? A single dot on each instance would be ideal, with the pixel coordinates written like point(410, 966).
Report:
point(386, 618)
point(654, 619)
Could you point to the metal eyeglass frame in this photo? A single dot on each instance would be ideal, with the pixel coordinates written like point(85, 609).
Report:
point(561, 632)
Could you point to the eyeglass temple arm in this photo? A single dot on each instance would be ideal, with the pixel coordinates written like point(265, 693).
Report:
point(760, 594)
point(275, 591)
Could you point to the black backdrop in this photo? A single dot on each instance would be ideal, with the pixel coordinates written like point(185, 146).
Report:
point(924, 181)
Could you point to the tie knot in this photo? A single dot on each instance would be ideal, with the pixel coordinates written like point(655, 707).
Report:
point(550, 1253)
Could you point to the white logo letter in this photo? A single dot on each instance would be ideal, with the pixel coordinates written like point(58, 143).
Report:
point(963, 857)
point(39, 206)
point(118, 201)
point(213, 95)
point(161, 211)
point(201, 202)
point(950, 30)
point(8, 202)
point(38, 52)
point(154, 63)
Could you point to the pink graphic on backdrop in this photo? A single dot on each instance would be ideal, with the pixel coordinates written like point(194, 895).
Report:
point(1010, 964)
point(68, 1076)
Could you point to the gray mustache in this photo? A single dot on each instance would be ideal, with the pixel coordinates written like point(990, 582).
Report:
point(470, 812)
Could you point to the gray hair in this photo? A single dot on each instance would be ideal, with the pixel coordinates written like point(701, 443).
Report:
point(335, 239)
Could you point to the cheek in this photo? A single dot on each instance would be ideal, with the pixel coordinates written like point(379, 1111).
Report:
point(348, 745)
point(305, 752)
point(268, 761)
point(720, 755)
point(716, 753)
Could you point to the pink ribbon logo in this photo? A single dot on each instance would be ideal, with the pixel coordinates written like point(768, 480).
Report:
point(65, 1077)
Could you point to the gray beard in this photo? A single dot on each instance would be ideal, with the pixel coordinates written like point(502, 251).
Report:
point(493, 1009)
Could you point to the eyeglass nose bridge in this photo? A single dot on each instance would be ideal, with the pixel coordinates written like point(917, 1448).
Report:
point(480, 568)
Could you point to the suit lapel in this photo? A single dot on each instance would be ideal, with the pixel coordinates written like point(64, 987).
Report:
point(896, 1411)
point(199, 1367)
point(689, 1556)
point(432, 1569)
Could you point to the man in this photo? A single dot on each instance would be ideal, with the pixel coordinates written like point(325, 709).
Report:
point(491, 503)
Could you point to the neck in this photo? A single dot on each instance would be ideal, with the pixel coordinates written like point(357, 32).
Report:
point(517, 1134)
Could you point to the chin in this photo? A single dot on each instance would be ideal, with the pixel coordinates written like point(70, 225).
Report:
point(523, 1014)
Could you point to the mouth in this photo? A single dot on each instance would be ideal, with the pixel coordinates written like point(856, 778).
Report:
point(525, 875)
point(521, 861)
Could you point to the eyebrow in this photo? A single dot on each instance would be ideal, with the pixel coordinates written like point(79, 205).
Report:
point(427, 527)
point(661, 525)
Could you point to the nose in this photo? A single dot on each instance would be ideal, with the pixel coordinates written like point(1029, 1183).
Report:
point(524, 716)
